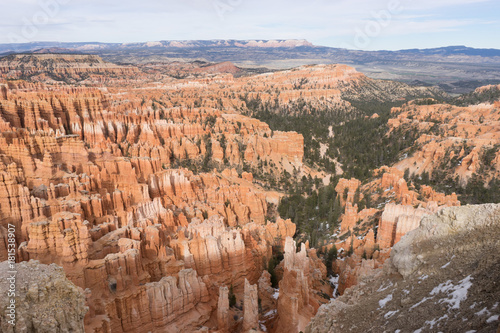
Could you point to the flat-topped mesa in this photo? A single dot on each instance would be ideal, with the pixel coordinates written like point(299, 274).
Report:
point(223, 67)
point(215, 43)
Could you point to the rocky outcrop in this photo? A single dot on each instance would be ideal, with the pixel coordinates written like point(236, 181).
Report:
point(396, 221)
point(266, 292)
point(45, 300)
point(444, 274)
point(294, 301)
point(346, 189)
point(172, 305)
point(96, 188)
point(250, 308)
point(148, 188)
point(452, 139)
point(223, 310)
point(53, 66)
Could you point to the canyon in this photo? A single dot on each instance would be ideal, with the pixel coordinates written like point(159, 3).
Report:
point(456, 69)
point(149, 193)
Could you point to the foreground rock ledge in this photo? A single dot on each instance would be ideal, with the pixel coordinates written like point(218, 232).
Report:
point(46, 301)
point(444, 275)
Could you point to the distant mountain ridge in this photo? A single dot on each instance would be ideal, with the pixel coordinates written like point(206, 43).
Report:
point(456, 69)
point(251, 43)
point(451, 50)
point(86, 46)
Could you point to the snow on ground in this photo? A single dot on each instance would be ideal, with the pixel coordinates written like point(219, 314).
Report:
point(456, 293)
point(390, 314)
point(446, 265)
point(492, 319)
point(276, 293)
point(270, 313)
point(423, 277)
point(483, 312)
point(384, 301)
point(423, 300)
point(334, 281)
point(435, 321)
point(384, 287)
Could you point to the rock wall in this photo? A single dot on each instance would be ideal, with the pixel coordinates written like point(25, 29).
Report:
point(45, 300)
point(443, 275)
point(296, 302)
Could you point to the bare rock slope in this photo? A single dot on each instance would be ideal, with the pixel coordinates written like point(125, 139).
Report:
point(46, 301)
point(441, 277)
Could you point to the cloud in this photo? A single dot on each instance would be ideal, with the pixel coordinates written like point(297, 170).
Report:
point(317, 20)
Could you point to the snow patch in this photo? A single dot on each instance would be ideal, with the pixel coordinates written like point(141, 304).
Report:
point(384, 301)
point(435, 321)
point(423, 300)
point(276, 293)
point(384, 287)
point(270, 313)
point(390, 314)
point(334, 281)
point(492, 319)
point(446, 265)
point(483, 312)
point(456, 293)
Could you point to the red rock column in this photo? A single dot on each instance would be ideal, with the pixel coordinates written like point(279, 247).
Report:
point(223, 310)
point(250, 307)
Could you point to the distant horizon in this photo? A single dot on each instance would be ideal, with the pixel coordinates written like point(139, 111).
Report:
point(351, 24)
point(236, 39)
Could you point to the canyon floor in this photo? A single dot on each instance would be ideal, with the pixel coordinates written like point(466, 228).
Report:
point(190, 196)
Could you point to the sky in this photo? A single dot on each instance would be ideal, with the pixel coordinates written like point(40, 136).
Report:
point(352, 24)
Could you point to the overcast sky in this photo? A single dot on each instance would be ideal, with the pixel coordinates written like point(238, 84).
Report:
point(359, 24)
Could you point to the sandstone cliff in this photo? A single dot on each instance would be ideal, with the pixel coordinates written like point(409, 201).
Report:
point(45, 301)
point(151, 189)
point(443, 275)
